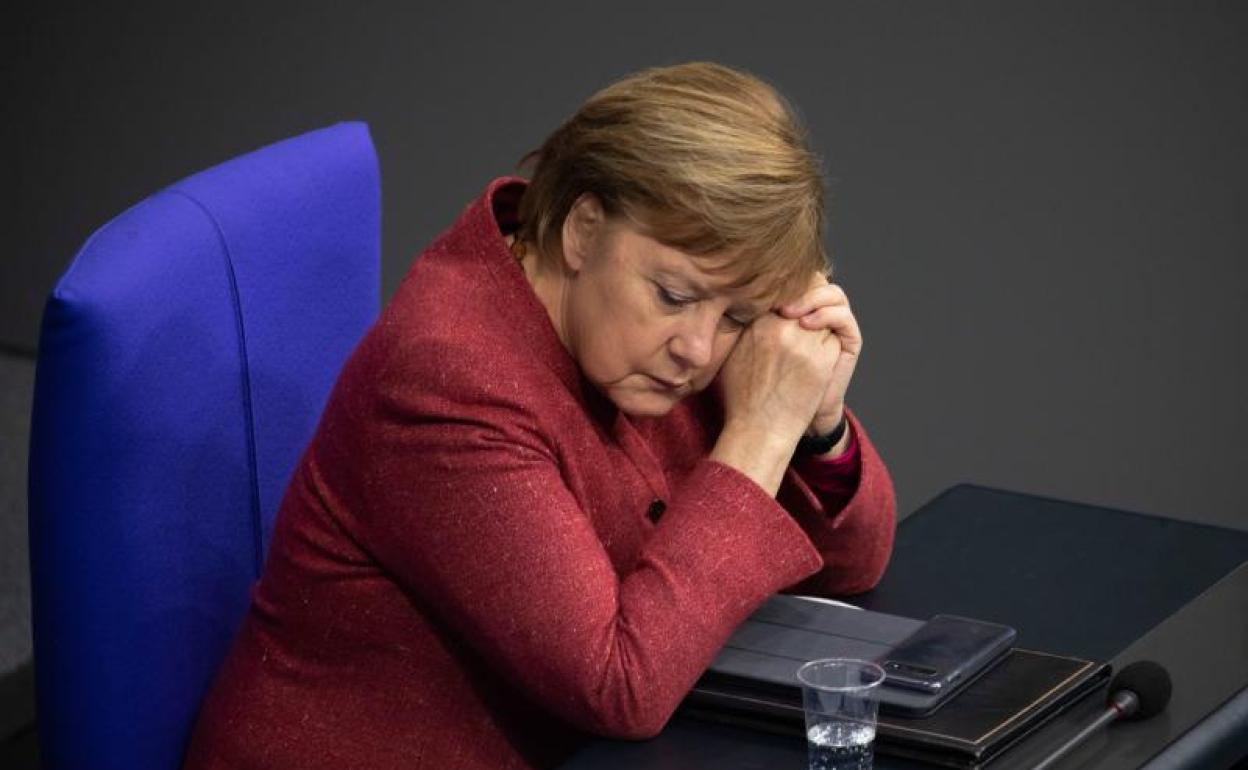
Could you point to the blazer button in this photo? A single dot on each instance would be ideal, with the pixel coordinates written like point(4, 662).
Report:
point(656, 509)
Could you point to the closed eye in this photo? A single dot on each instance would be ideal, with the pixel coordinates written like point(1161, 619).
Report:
point(671, 299)
point(729, 323)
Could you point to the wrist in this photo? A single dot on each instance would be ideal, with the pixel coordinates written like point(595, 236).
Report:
point(822, 425)
point(772, 439)
point(763, 455)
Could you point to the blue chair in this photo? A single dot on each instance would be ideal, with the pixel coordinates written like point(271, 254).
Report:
point(184, 360)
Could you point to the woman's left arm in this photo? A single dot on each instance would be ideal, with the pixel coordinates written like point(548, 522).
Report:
point(845, 500)
point(848, 511)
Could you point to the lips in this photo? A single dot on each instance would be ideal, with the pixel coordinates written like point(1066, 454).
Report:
point(670, 384)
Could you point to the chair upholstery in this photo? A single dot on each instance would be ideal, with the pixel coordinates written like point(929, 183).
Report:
point(184, 359)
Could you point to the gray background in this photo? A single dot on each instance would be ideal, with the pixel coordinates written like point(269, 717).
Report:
point(1038, 209)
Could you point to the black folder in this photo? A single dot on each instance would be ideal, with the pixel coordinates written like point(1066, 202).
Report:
point(753, 682)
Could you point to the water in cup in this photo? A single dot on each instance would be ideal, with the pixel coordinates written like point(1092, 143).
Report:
point(839, 698)
point(841, 746)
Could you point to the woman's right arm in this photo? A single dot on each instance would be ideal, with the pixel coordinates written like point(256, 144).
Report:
point(463, 500)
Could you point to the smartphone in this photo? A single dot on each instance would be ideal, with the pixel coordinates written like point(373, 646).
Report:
point(943, 651)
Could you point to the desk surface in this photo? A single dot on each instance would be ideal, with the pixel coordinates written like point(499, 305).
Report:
point(1076, 579)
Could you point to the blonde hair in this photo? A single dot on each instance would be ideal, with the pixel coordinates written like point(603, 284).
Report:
point(699, 156)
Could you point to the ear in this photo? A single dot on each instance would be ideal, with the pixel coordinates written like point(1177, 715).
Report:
point(582, 231)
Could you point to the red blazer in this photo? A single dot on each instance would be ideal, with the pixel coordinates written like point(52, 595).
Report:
point(469, 569)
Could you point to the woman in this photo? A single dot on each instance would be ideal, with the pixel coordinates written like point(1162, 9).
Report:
point(569, 458)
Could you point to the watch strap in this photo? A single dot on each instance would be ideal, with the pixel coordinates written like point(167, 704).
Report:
point(809, 446)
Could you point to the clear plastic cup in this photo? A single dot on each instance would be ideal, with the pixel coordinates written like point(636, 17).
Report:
point(840, 696)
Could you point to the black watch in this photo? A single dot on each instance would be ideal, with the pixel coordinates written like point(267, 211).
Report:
point(811, 446)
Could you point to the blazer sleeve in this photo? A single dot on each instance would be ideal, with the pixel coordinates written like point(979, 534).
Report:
point(462, 500)
point(856, 540)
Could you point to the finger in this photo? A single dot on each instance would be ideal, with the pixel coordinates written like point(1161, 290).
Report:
point(838, 318)
point(822, 296)
point(840, 321)
point(815, 298)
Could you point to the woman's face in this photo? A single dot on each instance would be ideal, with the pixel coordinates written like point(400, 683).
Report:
point(645, 324)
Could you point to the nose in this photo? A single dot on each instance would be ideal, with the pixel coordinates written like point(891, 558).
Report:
point(693, 344)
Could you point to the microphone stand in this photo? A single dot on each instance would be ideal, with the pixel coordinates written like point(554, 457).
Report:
point(1123, 704)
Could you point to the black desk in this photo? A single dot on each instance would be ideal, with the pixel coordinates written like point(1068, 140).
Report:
point(1076, 579)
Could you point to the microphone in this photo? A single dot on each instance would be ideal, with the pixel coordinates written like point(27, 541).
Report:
point(1138, 691)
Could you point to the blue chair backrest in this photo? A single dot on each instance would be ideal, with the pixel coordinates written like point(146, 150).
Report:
point(184, 359)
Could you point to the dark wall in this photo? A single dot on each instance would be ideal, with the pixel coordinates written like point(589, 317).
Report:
point(1038, 210)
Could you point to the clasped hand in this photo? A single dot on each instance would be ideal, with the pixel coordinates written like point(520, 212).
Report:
point(790, 369)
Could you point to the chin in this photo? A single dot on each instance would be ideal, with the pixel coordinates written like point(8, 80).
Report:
point(644, 404)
